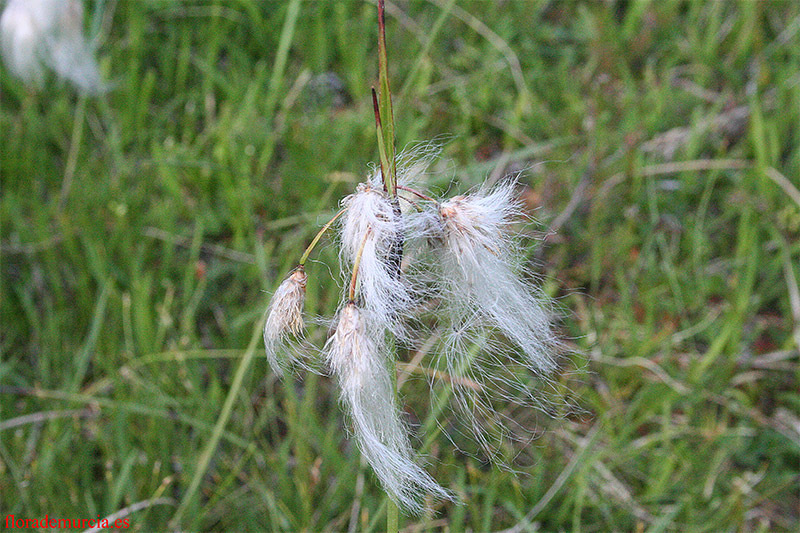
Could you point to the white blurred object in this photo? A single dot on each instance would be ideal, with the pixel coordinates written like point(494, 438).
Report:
point(35, 34)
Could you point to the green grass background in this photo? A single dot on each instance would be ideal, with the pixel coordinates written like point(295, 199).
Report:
point(143, 230)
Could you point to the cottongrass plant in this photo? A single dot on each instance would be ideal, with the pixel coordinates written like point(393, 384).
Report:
point(405, 252)
point(39, 34)
point(459, 280)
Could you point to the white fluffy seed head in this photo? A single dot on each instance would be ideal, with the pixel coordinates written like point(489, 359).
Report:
point(48, 33)
point(480, 219)
point(479, 270)
point(482, 293)
point(358, 356)
point(285, 318)
point(372, 227)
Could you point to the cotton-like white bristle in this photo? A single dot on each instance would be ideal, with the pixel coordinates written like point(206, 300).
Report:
point(372, 228)
point(357, 355)
point(285, 319)
point(492, 388)
point(479, 272)
point(412, 165)
point(39, 33)
point(481, 294)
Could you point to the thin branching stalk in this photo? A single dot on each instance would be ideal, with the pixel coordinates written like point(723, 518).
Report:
point(416, 193)
point(318, 236)
point(351, 295)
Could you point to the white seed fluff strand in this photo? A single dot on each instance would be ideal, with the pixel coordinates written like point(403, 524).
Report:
point(356, 354)
point(479, 272)
point(372, 223)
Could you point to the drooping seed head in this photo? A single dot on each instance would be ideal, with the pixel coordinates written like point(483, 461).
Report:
point(372, 229)
point(480, 267)
point(285, 317)
point(358, 355)
point(486, 301)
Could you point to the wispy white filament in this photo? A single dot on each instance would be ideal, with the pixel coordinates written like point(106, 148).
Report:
point(285, 319)
point(48, 33)
point(372, 226)
point(495, 342)
point(357, 355)
point(482, 293)
point(479, 272)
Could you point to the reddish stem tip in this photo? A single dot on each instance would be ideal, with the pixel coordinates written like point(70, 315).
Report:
point(376, 108)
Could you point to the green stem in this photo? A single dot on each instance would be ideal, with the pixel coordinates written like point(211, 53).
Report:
point(386, 175)
point(392, 517)
point(383, 110)
point(351, 296)
point(392, 511)
point(319, 235)
point(384, 121)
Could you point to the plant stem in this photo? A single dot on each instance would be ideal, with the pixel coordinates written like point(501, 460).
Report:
point(318, 237)
point(383, 111)
point(351, 296)
point(392, 517)
point(416, 193)
point(386, 175)
point(392, 511)
point(384, 122)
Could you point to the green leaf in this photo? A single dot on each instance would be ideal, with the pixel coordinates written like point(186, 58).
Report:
point(385, 118)
point(383, 156)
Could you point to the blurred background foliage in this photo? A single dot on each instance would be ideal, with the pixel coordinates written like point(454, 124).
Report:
point(143, 230)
